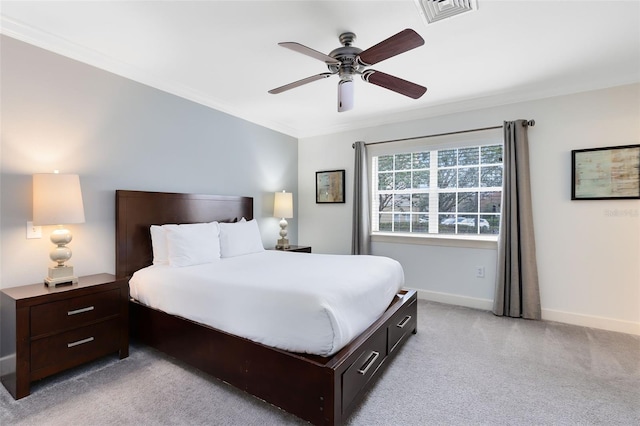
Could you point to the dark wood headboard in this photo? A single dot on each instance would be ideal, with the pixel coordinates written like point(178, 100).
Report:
point(137, 210)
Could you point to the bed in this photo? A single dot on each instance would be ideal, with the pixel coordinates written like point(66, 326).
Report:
point(319, 389)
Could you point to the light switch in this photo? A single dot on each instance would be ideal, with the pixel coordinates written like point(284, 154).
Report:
point(33, 231)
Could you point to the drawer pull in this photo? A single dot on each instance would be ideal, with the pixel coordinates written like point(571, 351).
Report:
point(81, 310)
point(404, 321)
point(369, 362)
point(80, 342)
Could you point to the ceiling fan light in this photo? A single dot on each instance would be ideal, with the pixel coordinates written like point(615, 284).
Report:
point(345, 95)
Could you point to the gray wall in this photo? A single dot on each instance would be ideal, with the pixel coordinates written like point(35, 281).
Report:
point(58, 113)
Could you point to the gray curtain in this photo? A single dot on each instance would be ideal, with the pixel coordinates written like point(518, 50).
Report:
point(360, 238)
point(517, 293)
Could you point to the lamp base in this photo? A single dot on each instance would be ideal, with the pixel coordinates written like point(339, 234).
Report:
point(283, 243)
point(60, 275)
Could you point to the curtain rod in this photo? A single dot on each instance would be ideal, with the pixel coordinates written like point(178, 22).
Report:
point(525, 124)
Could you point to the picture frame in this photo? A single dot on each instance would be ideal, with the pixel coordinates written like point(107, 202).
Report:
point(330, 187)
point(607, 173)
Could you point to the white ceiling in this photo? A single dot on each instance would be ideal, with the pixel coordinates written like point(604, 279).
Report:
point(224, 54)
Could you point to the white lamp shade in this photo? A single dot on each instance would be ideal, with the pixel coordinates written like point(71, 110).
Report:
point(283, 205)
point(57, 199)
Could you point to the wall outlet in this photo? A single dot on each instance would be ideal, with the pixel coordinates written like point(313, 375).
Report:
point(479, 271)
point(33, 231)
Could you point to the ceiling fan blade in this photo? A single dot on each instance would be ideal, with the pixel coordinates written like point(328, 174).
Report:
point(299, 83)
point(309, 52)
point(403, 41)
point(395, 84)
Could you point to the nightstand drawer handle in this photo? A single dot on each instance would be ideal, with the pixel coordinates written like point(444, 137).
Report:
point(79, 311)
point(404, 321)
point(369, 362)
point(80, 342)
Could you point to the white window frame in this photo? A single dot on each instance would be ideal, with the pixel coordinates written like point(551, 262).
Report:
point(437, 143)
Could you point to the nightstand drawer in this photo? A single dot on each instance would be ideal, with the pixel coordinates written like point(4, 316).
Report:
point(46, 330)
point(74, 347)
point(74, 312)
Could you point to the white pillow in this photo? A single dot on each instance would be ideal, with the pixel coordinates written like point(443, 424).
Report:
point(240, 238)
point(159, 245)
point(193, 244)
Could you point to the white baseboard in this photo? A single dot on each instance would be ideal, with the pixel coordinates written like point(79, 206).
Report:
point(454, 299)
point(7, 364)
point(592, 321)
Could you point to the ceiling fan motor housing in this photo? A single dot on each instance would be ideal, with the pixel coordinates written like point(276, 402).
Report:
point(347, 55)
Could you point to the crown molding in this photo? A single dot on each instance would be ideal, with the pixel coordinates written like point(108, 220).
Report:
point(59, 45)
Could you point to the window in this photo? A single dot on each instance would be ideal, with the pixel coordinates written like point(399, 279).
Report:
point(455, 191)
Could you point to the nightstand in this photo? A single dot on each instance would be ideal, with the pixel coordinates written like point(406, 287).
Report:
point(299, 249)
point(48, 330)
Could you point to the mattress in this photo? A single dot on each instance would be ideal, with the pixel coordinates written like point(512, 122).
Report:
point(298, 302)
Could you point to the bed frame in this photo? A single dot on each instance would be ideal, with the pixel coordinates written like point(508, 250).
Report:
point(321, 390)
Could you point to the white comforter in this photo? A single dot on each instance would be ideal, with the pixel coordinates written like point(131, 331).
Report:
point(308, 303)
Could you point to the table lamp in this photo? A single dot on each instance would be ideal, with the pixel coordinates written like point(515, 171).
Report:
point(57, 200)
point(283, 208)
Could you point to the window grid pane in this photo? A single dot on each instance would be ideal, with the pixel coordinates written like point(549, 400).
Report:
point(460, 194)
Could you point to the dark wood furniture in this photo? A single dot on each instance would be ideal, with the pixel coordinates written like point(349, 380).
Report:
point(321, 390)
point(47, 330)
point(298, 249)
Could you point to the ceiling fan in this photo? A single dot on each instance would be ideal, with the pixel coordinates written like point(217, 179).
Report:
point(348, 61)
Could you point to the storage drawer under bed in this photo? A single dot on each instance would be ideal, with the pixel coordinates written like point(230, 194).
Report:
point(402, 323)
point(361, 371)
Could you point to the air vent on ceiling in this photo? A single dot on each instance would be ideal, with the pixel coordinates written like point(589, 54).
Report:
point(436, 10)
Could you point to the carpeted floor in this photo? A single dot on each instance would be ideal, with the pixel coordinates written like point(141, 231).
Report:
point(464, 367)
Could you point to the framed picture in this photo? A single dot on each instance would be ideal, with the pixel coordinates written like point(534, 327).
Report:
point(610, 173)
point(330, 186)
